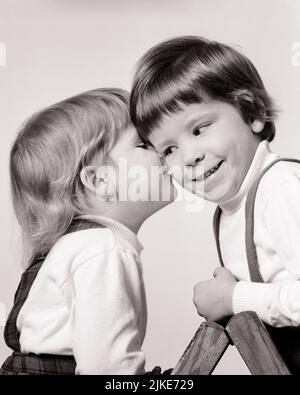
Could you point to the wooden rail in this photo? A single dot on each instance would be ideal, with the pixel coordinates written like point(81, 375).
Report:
point(204, 351)
point(247, 333)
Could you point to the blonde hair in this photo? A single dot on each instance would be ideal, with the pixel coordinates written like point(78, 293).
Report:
point(47, 156)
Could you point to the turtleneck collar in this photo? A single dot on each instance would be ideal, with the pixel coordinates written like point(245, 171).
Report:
point(263, 156)
point(118, 228)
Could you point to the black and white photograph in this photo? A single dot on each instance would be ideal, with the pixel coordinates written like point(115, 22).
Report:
point(150, 215)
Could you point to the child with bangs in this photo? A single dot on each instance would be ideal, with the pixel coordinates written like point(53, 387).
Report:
point(205, 109)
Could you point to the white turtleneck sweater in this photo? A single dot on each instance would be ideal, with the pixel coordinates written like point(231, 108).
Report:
point(276, 237)
point(88, 300)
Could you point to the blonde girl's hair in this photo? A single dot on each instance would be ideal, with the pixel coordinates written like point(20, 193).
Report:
point(47, 156)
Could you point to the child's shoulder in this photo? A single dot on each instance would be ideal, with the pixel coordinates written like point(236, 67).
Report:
point(87, 241)
point(282, 179)
point(73, 249)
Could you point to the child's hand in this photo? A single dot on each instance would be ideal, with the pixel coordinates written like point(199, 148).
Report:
point(213, 298)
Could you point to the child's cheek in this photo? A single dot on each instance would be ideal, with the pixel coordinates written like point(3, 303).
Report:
point(177, 175)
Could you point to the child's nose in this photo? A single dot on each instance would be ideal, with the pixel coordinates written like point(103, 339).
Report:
point(191, 158)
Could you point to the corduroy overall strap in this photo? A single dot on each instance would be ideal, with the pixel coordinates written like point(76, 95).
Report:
point(11, 334)
point(249, 224)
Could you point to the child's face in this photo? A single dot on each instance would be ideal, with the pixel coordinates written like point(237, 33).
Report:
point(140, 176)
point(208, 148)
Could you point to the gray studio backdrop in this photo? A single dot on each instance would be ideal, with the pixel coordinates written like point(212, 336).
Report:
point(51, 49)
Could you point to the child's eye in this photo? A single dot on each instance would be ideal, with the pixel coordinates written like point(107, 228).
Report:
point(200, 129)
point(143, 145)
point(168, 151)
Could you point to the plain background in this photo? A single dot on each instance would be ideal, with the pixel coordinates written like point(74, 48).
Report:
point(57, 48)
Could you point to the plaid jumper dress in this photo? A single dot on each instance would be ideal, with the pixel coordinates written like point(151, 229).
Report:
point(33, 364)
point(286, 339)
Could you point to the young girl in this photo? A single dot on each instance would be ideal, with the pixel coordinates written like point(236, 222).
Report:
point(80, 307)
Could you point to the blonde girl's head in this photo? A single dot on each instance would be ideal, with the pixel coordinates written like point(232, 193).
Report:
point(47, 157)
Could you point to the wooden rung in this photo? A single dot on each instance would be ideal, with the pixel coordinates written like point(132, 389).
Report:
point(204, 351)
point(255, 345)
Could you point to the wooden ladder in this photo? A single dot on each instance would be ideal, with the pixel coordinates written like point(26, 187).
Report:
point(247, 333)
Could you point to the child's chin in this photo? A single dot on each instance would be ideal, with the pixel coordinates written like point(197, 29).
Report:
point(213, 198)
point(196, 190)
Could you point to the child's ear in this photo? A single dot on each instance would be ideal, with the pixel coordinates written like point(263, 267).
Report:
point(89, 178)
point(257, 126)
point(100, 180)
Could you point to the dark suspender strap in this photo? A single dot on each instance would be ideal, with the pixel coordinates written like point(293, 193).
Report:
point(216, 225)
point(11, 334)
point(249, 213)
point(249, 225)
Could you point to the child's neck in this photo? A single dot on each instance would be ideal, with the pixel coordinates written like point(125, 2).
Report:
point(130, 222)
point(261, 158)
point(130, 215)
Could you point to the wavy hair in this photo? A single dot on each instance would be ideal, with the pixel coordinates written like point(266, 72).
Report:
point(47, 156)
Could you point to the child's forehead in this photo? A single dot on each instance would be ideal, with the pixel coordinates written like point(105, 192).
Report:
point(127, 138)
point(129, 133)
point(187, 116)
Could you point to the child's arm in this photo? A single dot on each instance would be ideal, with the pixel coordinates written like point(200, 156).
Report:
point(213, 298)
point(107, 312)
point(278, 301)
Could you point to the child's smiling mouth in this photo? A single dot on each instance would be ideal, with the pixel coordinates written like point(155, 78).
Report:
point(208, 173)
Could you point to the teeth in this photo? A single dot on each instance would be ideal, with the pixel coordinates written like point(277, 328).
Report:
point(208, 173)
point(211, 171)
